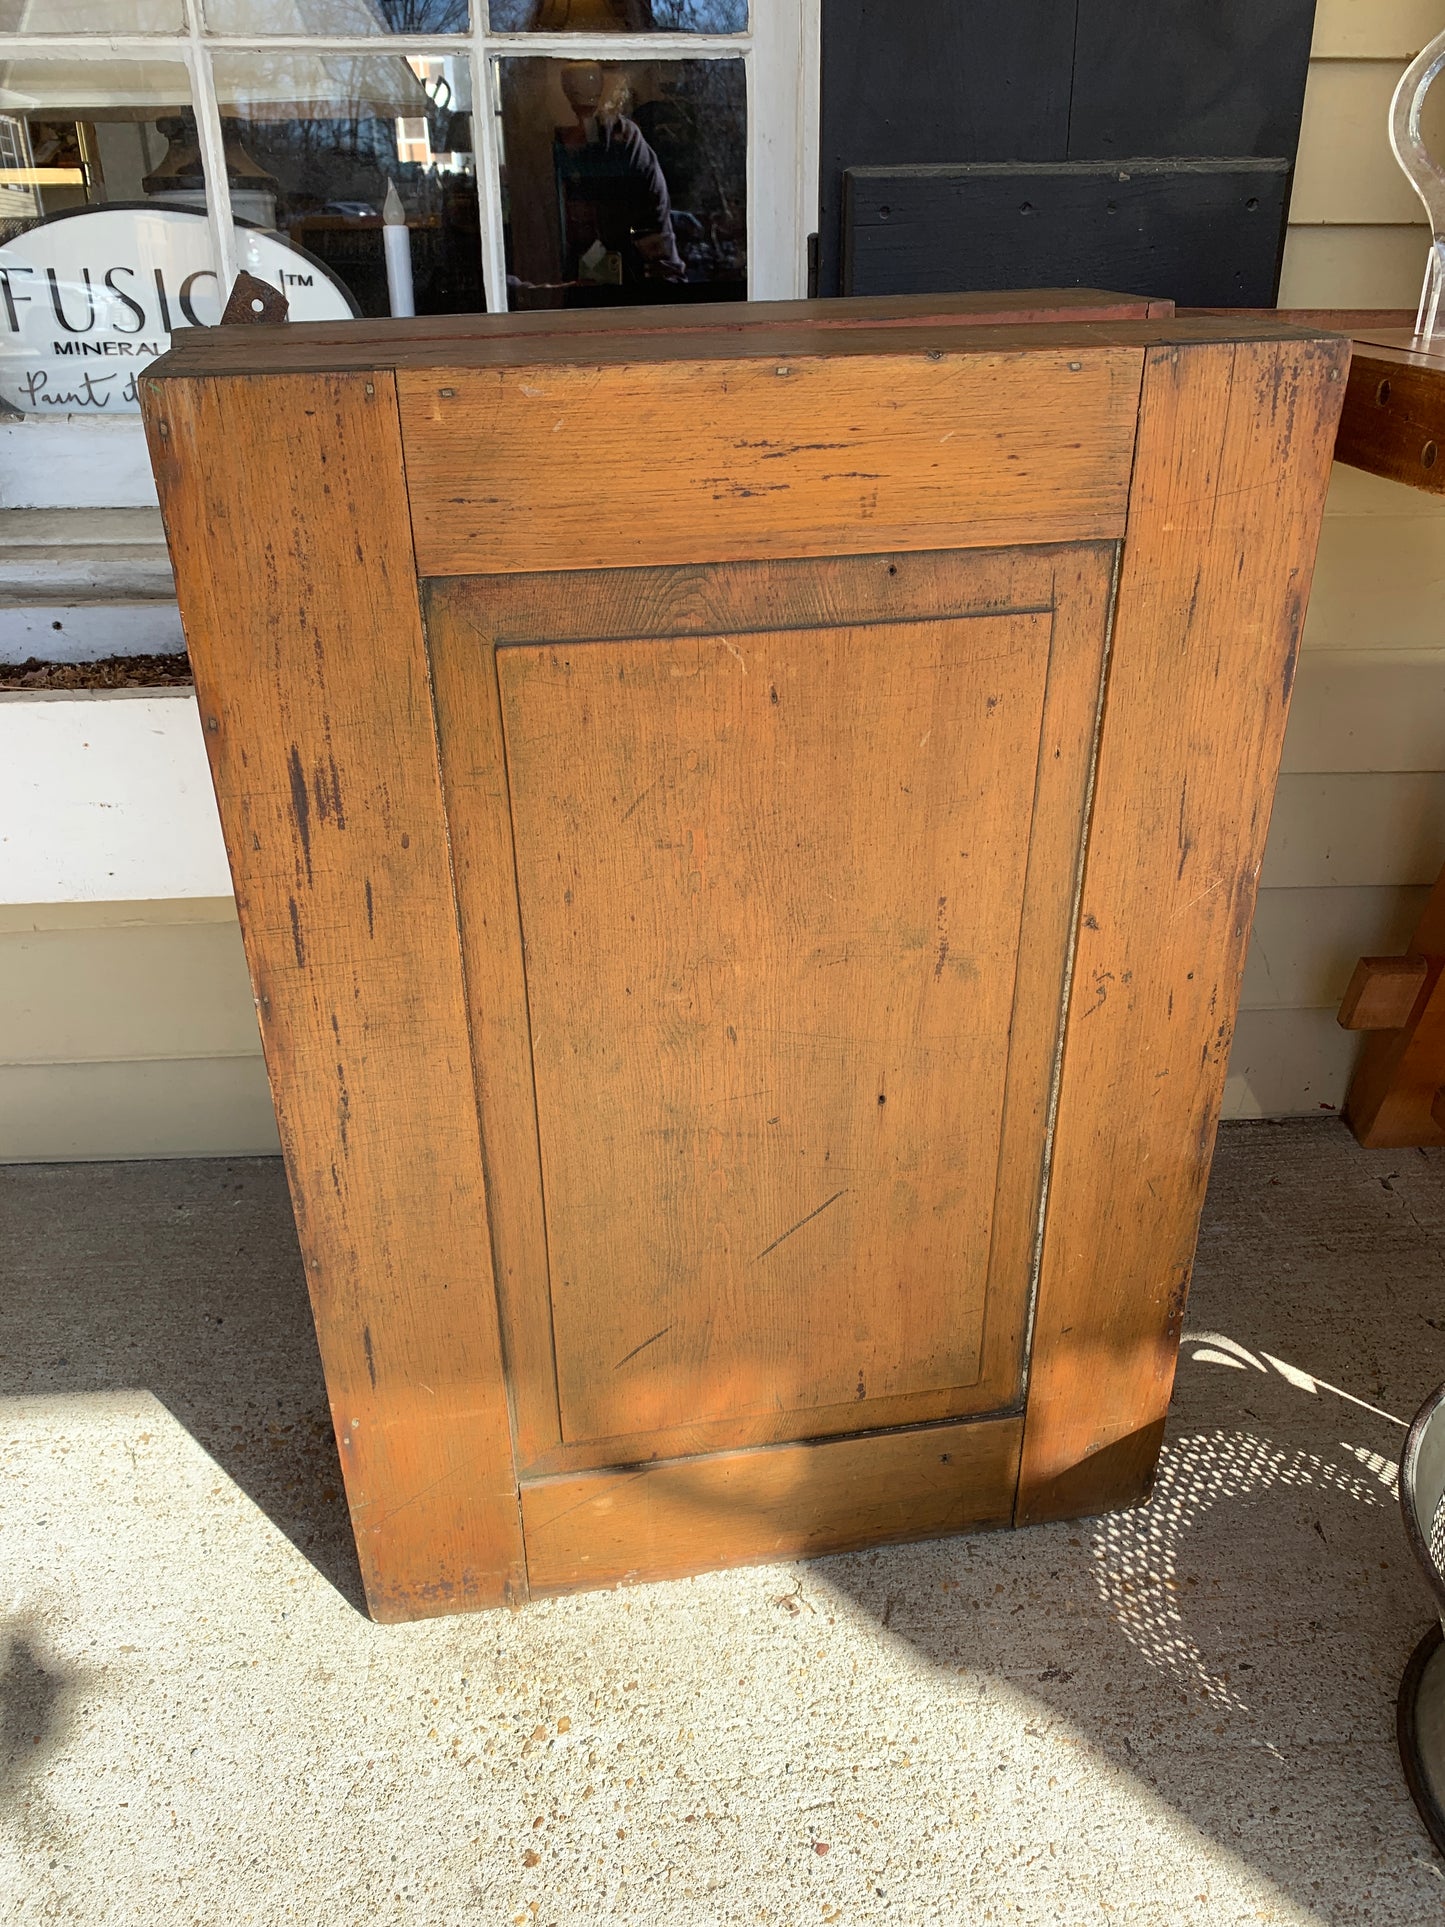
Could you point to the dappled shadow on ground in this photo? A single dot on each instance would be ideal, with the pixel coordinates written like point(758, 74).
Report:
point(1234, 1647)
point(181, 1278)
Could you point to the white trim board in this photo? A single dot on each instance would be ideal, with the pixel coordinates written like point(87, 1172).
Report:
point(1353, 266)
point(163, 990)
point(106, 796)
point(1367, 710)
point(1379, 583)
point(89, 631)
point(1374, 29)
point(70, 462)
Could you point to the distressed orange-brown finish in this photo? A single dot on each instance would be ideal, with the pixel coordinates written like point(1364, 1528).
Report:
point(1229, 482)
point(765, 456)
point(745, 947)
point(781, 1502)
point(710, 1040)
point(286, 511)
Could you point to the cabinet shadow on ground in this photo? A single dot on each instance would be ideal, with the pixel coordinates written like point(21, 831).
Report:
point(1234, 1646)
point(182, 1278)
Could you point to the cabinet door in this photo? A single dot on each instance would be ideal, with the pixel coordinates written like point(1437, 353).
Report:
point(765, 874)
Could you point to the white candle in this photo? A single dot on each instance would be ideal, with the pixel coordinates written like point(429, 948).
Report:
point(397, 242)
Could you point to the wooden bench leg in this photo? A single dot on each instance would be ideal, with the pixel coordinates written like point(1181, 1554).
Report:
point(1395, 1096)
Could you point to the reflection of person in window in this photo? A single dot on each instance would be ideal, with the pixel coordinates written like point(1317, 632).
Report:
point(615, 208)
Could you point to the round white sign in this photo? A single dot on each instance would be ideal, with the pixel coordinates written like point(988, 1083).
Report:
point(87, 300)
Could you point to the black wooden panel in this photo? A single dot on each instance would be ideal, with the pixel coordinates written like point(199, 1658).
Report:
point(1207, 233)
point(1199, 77)
point(908, 81)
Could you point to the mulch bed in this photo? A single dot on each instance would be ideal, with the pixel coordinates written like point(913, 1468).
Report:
point(110, 672)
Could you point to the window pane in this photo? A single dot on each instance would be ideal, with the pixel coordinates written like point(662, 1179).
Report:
point(619, 16)
point(104, 242)
point(337, 16)
point(92, 16)
point(624, 182)
point(365, 161)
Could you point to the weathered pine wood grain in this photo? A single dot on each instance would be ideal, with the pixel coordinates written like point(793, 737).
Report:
point(764, 457)
point(302, 620)
point(297, 346)
point(780, 1502)
point(466, 620)
point(1229, 484)
point(663, 738)
point(737, 332)
point(770, 886)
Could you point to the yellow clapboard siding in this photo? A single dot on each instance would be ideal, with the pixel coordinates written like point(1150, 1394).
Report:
point(1374, 29)
point(131, 913)
point(1356, 830)
point(1367, 710)
point(1354, 492)
point(1378, 585)
point(164, 1108)
point(1305, 943)
point(159, 990)
point(1345, 172)
point(1353, 267)
point(1288, 1063)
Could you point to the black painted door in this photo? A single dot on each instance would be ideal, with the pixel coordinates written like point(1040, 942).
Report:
point(974, 144)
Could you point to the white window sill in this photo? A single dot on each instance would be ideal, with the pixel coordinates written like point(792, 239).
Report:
point(81, 583)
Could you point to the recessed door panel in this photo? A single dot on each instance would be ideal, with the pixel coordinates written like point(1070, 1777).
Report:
point(701, 824)
point(770, 897)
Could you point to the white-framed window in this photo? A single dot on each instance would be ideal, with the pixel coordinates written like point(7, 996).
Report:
point(503, 99)
point(375, 157)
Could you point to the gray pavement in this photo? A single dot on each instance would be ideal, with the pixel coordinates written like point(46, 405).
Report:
point(1180, 1714)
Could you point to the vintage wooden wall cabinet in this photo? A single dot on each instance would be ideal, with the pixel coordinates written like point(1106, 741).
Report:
point(745, 832)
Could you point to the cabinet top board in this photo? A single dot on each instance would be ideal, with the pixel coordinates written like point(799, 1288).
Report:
point(889, 324)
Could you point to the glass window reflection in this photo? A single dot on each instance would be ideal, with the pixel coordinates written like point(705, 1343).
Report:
point(338, 17)
point(619, 16)
point(86, 304)
point(92, 16)
point(624, 182)
point(365, 162)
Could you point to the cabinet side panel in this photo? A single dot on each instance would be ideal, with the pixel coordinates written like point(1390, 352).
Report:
point(286, 508)
point(1229, 481)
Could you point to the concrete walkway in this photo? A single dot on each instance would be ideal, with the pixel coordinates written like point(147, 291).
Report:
point(1181, 1714)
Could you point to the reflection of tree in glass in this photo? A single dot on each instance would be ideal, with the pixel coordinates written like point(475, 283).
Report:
point(424, 16)
point(618, 16)
point(699, 16)
point(332, 171)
